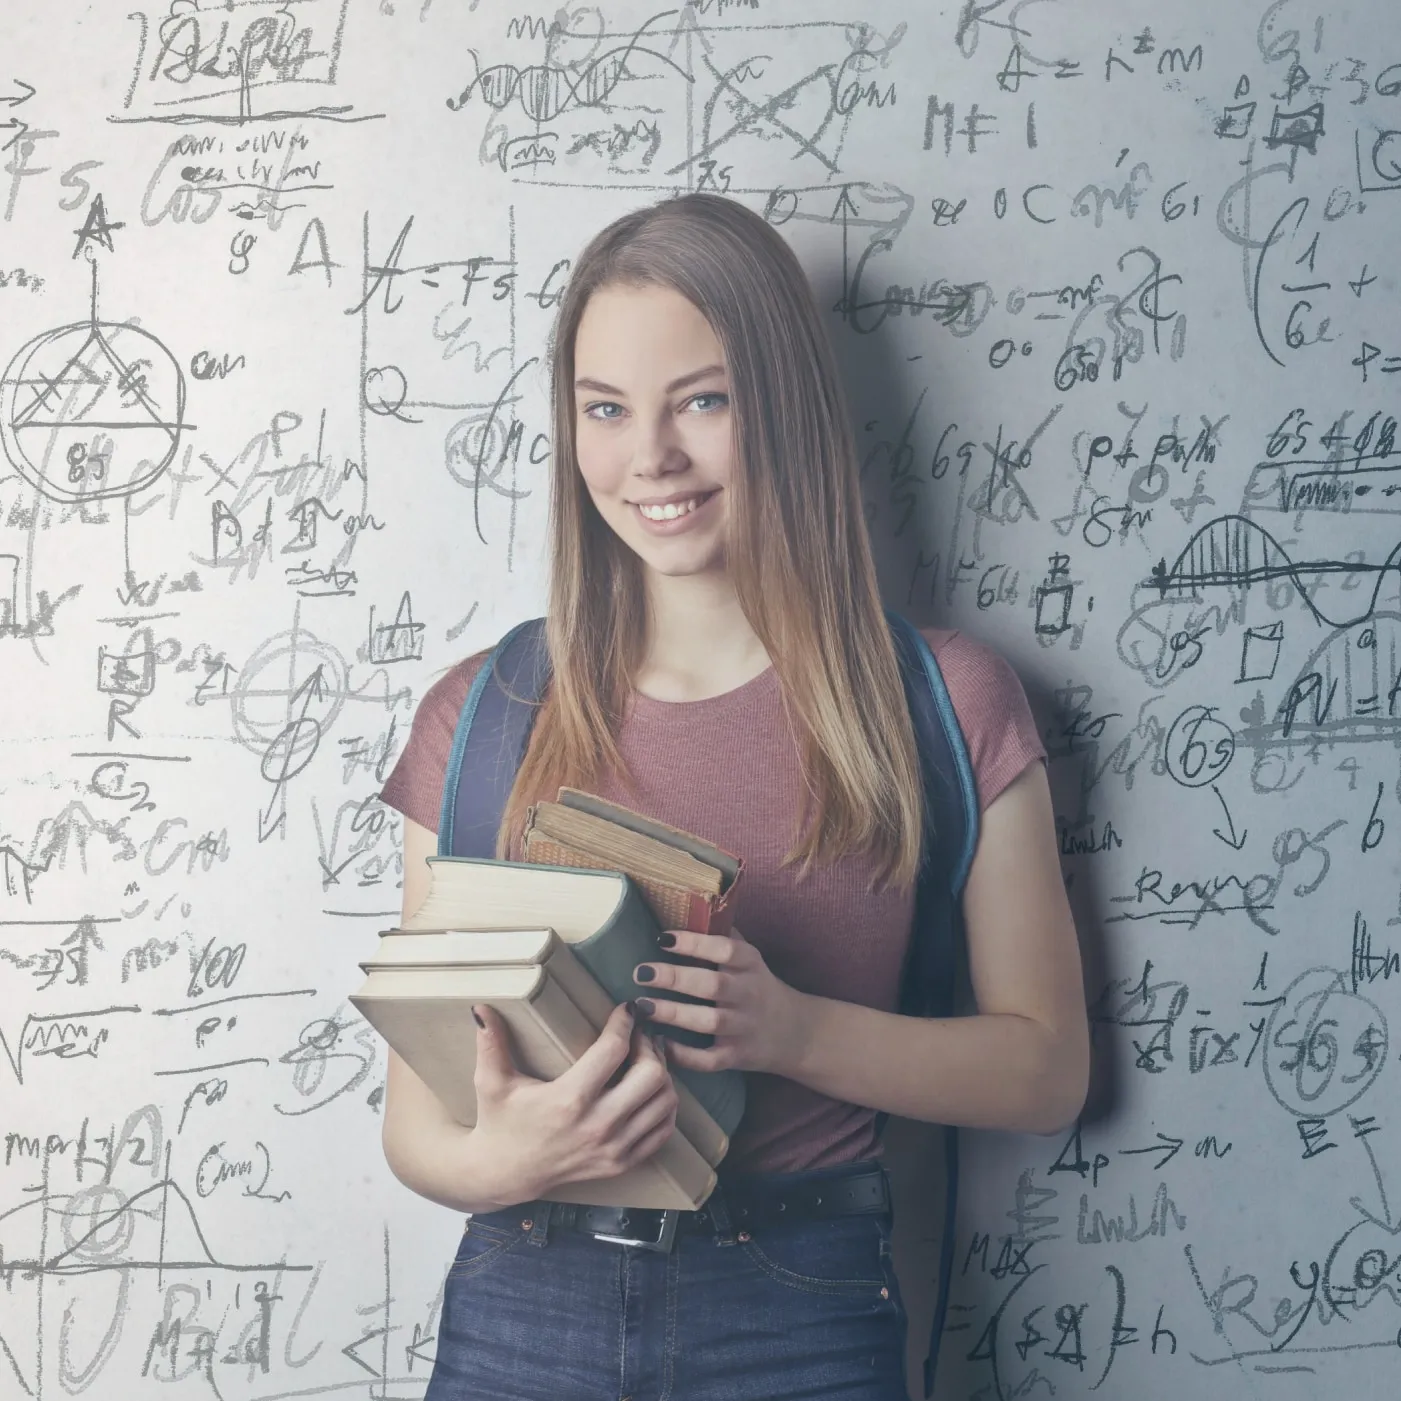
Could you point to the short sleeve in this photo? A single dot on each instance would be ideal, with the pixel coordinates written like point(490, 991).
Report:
point(415, 785)
point(992, 710)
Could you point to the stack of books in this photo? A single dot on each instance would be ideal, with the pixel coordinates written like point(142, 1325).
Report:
point(551, 943)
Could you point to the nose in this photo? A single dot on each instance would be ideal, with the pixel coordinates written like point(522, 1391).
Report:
point(657, 451)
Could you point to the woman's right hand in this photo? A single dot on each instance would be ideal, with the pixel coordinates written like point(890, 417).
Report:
point(589, 1122)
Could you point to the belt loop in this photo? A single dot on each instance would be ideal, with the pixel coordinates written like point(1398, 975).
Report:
point(720, 1216)
point(539, 1215)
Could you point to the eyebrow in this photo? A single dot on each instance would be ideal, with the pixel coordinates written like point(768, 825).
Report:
point(598, 386)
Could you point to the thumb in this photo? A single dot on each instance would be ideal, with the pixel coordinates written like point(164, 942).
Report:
point(494, 1063)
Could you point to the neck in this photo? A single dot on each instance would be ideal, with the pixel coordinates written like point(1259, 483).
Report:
point(699, 641)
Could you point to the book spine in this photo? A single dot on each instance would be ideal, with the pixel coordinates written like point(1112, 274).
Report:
point(718, 915)
point(630, 938)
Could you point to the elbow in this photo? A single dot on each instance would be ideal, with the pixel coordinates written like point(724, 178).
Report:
point(399, 1162)
point(386, 1143)
point(1060, 1089)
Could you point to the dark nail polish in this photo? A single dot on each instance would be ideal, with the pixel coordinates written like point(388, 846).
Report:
point(632, 1008)
point(645, 1005)
point(477, 1019)
point(645, 974)
point(666, 940)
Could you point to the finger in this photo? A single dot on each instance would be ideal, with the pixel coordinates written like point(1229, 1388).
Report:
point(657, 1111)
point(634, 1040)
point(710, 948)
point(650, 1085)
point(681, 1057)
point(494, 1062)
point(690, 1016)
point(642, 1083)
point(656, 1051)
point(648, 1061)
point(701, 981)
point(607, 1056)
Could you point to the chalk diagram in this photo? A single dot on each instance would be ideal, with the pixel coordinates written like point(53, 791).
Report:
point(283, 721)
point(736, 102)
point(1235, 552)
point(92, 410)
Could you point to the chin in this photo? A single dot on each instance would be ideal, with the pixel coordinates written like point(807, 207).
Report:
point(677, 558)
point(670, 567)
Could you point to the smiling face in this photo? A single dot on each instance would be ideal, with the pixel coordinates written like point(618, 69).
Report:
point(653, 426)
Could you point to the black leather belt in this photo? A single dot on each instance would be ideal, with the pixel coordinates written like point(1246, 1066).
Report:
point(751, 1205)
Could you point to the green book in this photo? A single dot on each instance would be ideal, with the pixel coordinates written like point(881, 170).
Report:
point(605, 920)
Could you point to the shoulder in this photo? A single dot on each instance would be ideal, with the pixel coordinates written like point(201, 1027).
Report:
point(990, 704)
point(415, 785)
point(435, 718)
point(444, 698)
point(975, 673)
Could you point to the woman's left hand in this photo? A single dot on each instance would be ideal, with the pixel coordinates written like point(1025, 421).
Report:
point(757, 1019)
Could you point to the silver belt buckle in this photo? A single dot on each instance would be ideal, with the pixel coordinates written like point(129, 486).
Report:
point(667, 1233)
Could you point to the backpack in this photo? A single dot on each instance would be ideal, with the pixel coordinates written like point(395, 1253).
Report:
point(489, 743)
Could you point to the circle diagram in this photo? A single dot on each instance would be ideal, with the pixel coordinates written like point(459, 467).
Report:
point(91, 410)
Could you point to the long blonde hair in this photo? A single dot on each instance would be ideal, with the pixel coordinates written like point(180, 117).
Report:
point(797, 547)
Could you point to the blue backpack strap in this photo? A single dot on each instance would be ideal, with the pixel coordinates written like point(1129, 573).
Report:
point(497, 718)
point(951, 837)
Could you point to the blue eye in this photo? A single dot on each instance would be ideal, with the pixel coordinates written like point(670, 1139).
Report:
point(712, 394)
point(589, 411)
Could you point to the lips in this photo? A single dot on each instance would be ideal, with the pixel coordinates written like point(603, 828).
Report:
point(685, 520)
point(678, 500)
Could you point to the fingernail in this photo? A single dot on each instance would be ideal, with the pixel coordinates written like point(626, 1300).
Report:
point(478, 1019)
point(645, 974)
point(666, 939)
point(645, 1005)
point(632, 1008)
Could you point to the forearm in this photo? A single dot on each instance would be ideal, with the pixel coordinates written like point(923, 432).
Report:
point(989, 1071)
point(441, 1162)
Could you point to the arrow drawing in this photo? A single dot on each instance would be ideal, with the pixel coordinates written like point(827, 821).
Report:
point(1168, 1147)
point(1384, 1220)
point(1234, 842)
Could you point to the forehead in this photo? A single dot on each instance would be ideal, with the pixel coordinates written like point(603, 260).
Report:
point(648, 332)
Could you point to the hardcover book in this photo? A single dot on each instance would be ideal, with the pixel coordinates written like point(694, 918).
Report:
point(456, 949)
point(423, 1013)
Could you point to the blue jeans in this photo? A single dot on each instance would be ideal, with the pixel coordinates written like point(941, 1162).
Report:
point(807, 1309)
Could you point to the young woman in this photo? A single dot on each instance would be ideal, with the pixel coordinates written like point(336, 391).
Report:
point(721, 662)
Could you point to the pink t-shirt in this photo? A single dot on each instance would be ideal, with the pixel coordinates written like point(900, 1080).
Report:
point(727, 769)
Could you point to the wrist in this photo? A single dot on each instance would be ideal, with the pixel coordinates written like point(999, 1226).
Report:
point(800, 1020)
point(489, 1178)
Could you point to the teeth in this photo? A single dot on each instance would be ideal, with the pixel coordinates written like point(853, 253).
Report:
point(671, 511)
